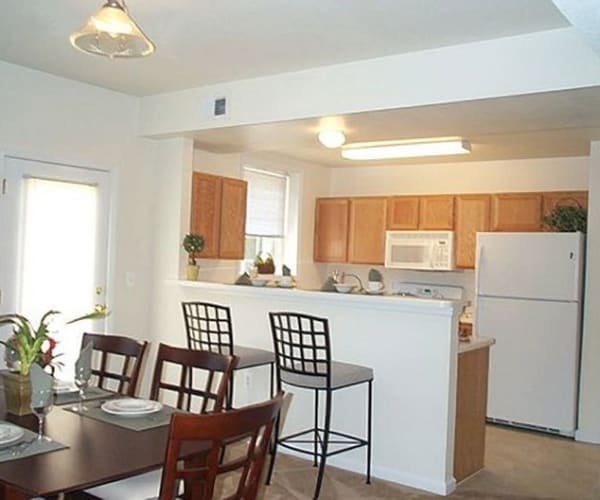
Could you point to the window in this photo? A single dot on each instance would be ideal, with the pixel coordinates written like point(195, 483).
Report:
point(266, 216)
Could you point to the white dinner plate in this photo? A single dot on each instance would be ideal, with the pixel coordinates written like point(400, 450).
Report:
point(131, 407)
point(10, 433)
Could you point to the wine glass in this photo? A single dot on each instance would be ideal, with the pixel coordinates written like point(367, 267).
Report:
point(82, 379)
point(41, 404)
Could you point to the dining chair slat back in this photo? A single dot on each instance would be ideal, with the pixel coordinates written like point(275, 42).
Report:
point(198, 380)
point(250, 427)
point(116, 361)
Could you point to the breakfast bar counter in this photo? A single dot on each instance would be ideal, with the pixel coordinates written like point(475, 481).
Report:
point(410, 343)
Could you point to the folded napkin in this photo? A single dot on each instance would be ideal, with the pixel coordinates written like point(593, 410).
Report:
point(375, 275)
point(286, 271)
point(328, 286)
point(83, 365)
point(41, 387)
point(243, 279)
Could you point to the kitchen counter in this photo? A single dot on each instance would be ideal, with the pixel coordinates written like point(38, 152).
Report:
point(475, 343)
point(412, 346)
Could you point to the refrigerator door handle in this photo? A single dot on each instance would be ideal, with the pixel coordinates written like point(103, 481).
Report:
point(477, 268)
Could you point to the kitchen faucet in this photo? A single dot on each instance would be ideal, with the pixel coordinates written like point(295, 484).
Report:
point(340, 276)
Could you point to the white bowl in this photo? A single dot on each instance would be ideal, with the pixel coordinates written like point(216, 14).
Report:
point(344, 287)
point(259, 281)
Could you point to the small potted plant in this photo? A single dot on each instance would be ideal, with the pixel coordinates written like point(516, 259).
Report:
point(567, 218)
point(26, 347)
point(264, 264)
point(193, 244)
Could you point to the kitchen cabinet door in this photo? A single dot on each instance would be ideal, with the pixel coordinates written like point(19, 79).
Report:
point(331, 230)
point(516, 212)
point(366, 241)
point(436, 212)
point(233, 218)
point(403, 212)
point(551, 199)
point(472, 214)
point(205, 216)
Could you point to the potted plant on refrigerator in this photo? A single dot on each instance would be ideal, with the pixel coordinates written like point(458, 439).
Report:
point(193, 244)
point(28, 346)
point(567, 218)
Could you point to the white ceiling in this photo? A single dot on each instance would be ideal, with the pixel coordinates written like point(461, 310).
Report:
point(202, 42)
point(207, 41)
point(553, 124)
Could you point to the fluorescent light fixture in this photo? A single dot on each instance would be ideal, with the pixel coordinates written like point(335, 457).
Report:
point(111, 32)
point(331, 138)
point(405, 149)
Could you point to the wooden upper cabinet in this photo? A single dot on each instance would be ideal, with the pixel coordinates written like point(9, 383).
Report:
point(366, 241)
point(436, 212)
point(218, 212)
point(233, 218)
point(472, 214)
point(551, 199)
point(403, 212)
point(331, 230)
point(205, 216)
point(516, 212)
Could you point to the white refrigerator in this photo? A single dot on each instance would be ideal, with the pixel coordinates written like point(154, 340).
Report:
point(528, 290)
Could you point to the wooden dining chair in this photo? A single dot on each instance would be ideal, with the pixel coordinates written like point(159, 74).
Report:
point(116, 361)
point(193, 381)
point(253, 423)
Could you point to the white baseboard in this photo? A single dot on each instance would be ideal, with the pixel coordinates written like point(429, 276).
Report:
point(431, 485)
point(586, 436)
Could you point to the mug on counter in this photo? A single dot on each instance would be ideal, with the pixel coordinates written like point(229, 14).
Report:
point(374, 286)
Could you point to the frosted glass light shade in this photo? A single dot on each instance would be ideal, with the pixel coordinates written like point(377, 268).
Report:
point(111, 32)
point(405, 149)
point(331, 138)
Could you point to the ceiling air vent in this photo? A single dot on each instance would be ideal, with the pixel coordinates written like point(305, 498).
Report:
point(220, 107)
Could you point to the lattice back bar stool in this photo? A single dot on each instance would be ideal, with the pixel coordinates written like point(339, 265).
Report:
point(209, 328)
point(303, 359)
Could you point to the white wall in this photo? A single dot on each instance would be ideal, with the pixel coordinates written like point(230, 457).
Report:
point(536, 62)
point(589, 391)
point(548, 174)
point(49, 118)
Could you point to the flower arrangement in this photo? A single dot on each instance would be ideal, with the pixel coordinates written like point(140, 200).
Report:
point(29, 345)
point(264, 263)
point(193, 244)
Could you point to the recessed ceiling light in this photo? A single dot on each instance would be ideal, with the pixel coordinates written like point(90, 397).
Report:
point(331, 138)
point(406, 149)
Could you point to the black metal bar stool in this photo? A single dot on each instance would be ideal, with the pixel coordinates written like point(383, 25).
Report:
point(303, 358)
point(209, 328)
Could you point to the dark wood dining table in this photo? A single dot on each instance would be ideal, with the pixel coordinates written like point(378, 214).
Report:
point(97, 453)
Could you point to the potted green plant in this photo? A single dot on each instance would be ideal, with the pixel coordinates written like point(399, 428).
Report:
point(567, 218)
point(28, 346)
point(193, 244)
point(264, 264)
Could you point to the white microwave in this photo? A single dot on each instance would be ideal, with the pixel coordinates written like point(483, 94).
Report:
point(425, 250)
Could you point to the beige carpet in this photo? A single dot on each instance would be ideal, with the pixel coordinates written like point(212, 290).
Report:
point(520, 465)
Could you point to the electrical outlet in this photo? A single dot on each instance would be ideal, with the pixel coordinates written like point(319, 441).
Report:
point(247, 380)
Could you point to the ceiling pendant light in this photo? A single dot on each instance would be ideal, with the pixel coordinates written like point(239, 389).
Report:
point(111, 32)
point(405, 149)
